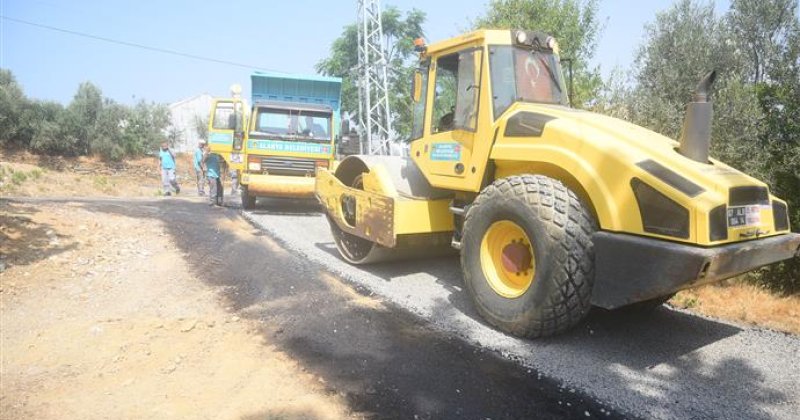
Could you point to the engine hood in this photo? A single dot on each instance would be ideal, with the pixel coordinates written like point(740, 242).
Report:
point(608, 161)
point(581, 130)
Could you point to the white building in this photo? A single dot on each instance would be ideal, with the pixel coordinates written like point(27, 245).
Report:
point(183, 115)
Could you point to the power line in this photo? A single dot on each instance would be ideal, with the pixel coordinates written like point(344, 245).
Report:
point(134, 45)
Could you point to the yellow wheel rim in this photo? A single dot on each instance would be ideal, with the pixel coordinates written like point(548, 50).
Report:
point(507, 259)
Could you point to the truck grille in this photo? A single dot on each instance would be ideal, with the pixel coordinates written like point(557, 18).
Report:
point(288, 166)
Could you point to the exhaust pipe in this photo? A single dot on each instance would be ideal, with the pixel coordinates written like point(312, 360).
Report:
point(696, 135)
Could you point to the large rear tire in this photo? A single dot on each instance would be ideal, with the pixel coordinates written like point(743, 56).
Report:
point(528, 257)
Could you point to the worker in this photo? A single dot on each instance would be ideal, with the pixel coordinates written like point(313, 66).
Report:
point(213, 173)
point(167, 162)
point(234, 174)
point(199, 169)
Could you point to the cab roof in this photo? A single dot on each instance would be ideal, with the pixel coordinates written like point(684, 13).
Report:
point(487, 36)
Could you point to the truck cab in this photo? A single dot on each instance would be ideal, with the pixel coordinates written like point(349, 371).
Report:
point(289, 132)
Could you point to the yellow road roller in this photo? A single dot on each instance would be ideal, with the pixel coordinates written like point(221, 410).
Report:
point(553, 209)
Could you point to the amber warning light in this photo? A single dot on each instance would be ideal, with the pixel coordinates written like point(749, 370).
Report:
point(419, 44)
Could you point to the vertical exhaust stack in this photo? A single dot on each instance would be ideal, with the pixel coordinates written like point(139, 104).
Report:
point(696, 135)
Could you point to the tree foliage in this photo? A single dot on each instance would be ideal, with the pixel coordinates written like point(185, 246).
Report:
point(201, 127)
point(11, 107)
point(399, 32)
point(755, 48)
point(89, 124)
point(574, 23)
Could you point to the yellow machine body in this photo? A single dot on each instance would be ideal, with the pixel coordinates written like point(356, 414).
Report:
point(625, 174)
point(227, 114)
point(382, 212)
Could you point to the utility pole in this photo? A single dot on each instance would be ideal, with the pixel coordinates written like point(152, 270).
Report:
point(374, 118)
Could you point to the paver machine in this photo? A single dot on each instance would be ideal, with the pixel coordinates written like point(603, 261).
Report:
point(553, 209)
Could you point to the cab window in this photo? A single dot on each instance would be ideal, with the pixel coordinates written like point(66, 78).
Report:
point(224, 117)
point(455, 104)
point(419, 106)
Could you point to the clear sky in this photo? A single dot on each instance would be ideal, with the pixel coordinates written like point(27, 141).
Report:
point(288, 36)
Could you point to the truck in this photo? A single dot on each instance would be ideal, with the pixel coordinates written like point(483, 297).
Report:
point(277, 145)
point(552, 209)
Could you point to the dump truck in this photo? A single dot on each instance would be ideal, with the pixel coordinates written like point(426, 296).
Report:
point(552, 209)
point(277, 145)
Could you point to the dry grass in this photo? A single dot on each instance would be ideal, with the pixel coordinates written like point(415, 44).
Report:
point(743, 303)
point(25, 174)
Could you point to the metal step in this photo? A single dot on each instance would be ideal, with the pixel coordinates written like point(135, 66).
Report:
point(458, 211)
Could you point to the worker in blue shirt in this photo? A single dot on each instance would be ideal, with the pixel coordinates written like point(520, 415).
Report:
point(213, 172)
point(199, 170)
point(168, 179)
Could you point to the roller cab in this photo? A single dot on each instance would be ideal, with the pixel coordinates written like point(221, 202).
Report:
point(553, 209)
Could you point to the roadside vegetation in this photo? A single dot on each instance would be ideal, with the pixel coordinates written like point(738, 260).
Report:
point(89, 125)
point(23, 174)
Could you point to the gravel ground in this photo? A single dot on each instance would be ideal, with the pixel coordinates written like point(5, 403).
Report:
point(668, 364)
point(309, 346)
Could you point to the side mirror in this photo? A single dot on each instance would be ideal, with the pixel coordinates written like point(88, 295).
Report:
point(416, 86)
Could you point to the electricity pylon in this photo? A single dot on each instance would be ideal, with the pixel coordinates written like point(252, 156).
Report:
point(375, 120)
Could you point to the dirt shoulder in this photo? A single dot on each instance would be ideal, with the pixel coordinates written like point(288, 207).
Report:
point(742, 303)
point(102, 317)
point(24, 174)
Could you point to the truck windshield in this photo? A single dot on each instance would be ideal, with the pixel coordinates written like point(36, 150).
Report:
point(521, 74)
point(294, 124)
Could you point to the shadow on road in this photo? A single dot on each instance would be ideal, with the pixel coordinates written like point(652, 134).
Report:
point(284, 206)
point(19, 235)
point(387, 363)
point(384, 363)
point(663, 344)
point(612, 330)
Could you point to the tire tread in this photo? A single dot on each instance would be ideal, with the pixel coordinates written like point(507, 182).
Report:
point(569, 226)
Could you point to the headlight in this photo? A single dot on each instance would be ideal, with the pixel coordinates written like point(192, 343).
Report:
point(781, 215)
point(254, 166)
point(660, 215)
point(718, 223)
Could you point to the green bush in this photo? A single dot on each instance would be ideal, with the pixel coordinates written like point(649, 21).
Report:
point(89, 125)
point(18, 178)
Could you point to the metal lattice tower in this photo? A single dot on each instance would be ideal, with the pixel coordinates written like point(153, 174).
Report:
point(375, 120)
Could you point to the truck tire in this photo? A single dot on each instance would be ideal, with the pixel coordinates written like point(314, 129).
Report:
point(248, 201)
point(528, 257)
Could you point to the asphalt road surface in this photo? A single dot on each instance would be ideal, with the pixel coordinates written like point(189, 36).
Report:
point(668, 364)
point(384, 360)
